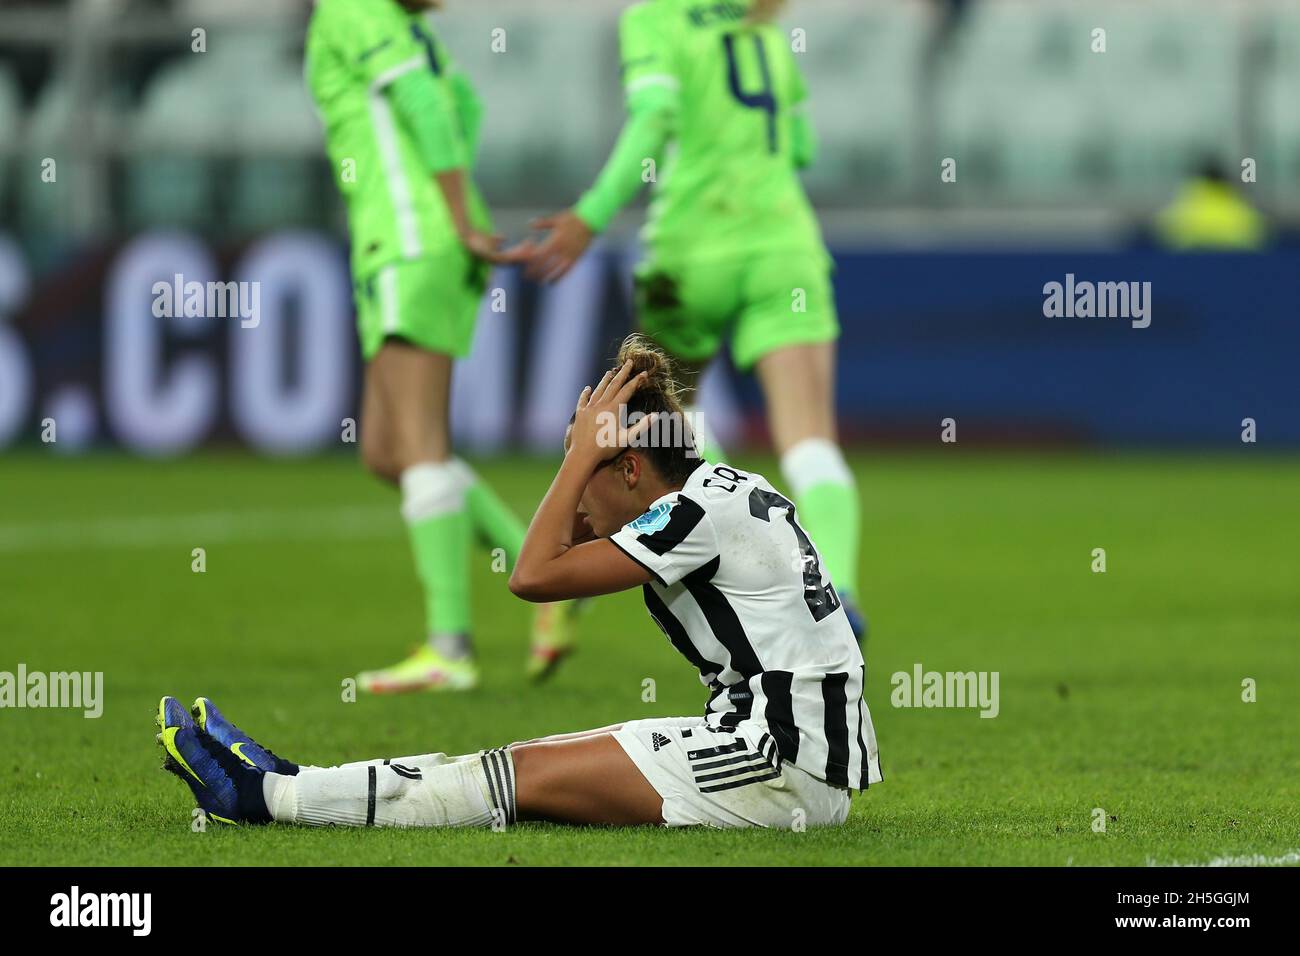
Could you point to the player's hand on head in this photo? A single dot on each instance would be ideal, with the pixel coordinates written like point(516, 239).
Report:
point(599, 431)
point(567, 239)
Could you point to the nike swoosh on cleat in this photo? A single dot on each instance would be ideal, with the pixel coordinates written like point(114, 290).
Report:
point(169, 744)
point(238, 753)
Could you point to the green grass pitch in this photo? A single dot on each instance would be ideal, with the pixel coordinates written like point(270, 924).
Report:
point(1120, 691)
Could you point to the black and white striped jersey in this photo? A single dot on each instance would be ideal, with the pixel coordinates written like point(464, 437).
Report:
point(740, 592)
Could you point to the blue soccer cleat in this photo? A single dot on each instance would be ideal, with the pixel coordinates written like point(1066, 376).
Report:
point(226, 789)
point(214, 723)
point(172, 714)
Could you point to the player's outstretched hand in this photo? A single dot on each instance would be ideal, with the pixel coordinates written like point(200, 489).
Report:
point(567, 239)
point(598, 431)
point(489, 248)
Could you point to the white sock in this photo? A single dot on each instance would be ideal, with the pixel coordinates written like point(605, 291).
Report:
point(462, 793)
point(812, 462)
point(464, 472)
point(421, 760)
point(430, 489)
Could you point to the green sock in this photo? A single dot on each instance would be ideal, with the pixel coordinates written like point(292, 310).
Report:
point(441, 548)
point(437, 521)
point(494, 524)
point(829, 513)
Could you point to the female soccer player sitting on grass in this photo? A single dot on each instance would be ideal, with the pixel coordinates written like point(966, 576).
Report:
point(728, 575)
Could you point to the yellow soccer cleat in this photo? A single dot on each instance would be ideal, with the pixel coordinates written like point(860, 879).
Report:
point(553, 639)
point(425, 669)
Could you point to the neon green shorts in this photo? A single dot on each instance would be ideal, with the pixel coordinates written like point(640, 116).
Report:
point(431, 302)
point(763, 304)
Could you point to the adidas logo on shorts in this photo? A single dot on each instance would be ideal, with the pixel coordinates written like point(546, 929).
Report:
point(659, 740)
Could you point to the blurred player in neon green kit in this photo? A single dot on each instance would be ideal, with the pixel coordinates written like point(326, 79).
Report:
point(716, 122)
point(401, 123)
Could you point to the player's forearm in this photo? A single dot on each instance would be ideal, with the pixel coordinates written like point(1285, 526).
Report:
point(643, 138)
point(452, 184)
point(550, 533)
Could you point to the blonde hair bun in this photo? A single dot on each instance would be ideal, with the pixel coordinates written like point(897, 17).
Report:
point(661, 382)
point(661, 394)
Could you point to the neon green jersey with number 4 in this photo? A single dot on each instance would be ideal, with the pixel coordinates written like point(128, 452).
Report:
point(356, 49)
point(728, 186)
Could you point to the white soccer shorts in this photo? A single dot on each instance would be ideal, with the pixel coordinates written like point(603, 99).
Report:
point(720, 779)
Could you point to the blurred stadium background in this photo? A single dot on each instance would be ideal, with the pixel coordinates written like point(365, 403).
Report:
point(210, 164)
